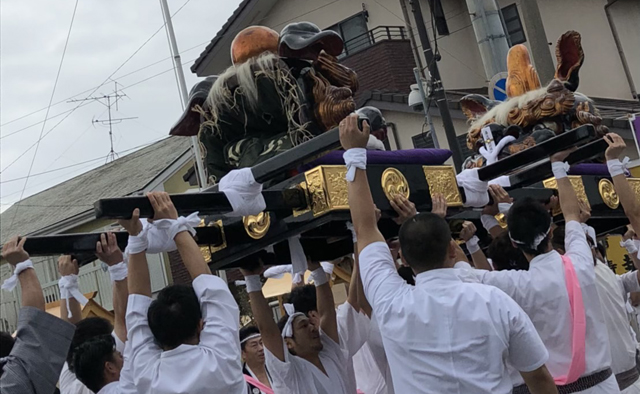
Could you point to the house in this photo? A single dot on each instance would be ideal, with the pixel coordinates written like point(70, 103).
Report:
point(379, 49)
point(68, 208)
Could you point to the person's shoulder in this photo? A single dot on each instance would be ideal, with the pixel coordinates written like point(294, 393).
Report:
point(376, 250)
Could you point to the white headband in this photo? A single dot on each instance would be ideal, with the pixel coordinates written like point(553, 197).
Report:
point(287, 331)
point(257, 335)
point(536, 241)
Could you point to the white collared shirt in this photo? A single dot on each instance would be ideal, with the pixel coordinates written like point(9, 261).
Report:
point(69, 384)
point(212, 365)
point(353, 329)
point(297, 376)
point(446, 336)
point(612, 291)
point(542, 293)
point(371, 366)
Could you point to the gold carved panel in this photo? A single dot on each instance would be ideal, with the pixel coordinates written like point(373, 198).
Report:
point(578, 186)
point(635, 185)
point(327, 189)
point(317, 192)
point(300, 212)
point(608, 193)
point(208, 250)
point(393, 182)
point(442, 179)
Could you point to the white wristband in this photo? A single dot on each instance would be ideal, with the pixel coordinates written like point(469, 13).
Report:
point(559, 169)
point(253, 283)
point(176, 226)
point(69, 288)
point(489, 222)
point(355, 158)
point(138, 243)
point(118, 272)
point(472, 245)
point(319, 277)
point(617, 167)
point(11, 282)
point(630, 245)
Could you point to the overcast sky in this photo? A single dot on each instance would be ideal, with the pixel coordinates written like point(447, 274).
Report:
point(104, 34)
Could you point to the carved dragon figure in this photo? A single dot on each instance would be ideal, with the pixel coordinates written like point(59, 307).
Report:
point(532, 113)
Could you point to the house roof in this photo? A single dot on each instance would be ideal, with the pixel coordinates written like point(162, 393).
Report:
point(121, 177)
point(613, 111)
point(249, 12)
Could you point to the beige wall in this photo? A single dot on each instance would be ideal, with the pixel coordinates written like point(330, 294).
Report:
point(175, 184)
point(602, 74)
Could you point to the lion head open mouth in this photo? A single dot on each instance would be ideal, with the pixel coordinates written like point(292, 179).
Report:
point(570, 58)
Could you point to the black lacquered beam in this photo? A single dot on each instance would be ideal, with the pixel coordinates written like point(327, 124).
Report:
point(556, 144)
point(543, 171)
point(294, 157)
point(207, 203)
point(83, 246)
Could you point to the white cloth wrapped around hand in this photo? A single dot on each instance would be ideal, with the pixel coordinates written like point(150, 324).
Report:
point(355, 158)
point(138, 243)
point(630, 245)
point(243, 192)
point(617, 167)
point(118, 272)
point(69, 288)
point(560, 169)
point(475, 190)
point(11, 282)
point(172, 227)
point(298, 258)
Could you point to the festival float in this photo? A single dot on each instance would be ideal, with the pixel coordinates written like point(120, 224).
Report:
point(275, 111)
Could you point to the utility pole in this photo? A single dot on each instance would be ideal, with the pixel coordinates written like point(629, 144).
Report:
point(437, 89)
point(538, 40)
point(106, 101)
point(182, 87)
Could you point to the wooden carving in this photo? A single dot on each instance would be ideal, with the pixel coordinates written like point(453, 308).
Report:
point(522, 77)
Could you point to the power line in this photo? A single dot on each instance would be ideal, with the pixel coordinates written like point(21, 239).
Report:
point(53, 92)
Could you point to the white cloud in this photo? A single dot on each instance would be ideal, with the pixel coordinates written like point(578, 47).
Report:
point(105, 33)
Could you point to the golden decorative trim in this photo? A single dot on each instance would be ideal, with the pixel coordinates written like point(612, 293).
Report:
point(393, 182)
point(299, 212)
point(207, 251)
point(442, 179)
point(316, 190)
point(502, 220)
point(635, 185)
point(257, 226)
point(578, 186)
point(608, 193)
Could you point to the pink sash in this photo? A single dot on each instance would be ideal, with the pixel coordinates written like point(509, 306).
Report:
point(256, 383)
point(579, 326)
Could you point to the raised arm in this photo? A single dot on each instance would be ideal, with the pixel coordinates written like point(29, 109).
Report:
point(324, 298)
point(107, 250)
point(31, 290)
point(262, 313)
point(139, 281)
point(68, 266)
point(189, 251)
point(628, 199)
point(468, 235)
point(360, 200)
point(567, 195)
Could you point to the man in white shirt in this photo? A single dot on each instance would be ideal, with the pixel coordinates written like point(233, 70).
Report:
point(543, 293)
point(301, 357)
point(107, 250)
point(441, 335)
point(253, 361)
point(186, 341)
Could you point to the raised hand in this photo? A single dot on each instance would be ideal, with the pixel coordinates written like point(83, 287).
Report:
point(561, 156)
point(163, 207)
point(439, 205)
point(499, 195)
point(107, 249)
point(67, 266)
point(133, 226)
point(585, 211)
point(350, 135)
point(468, 231)
point(403, 207)
point(254, 271)
point(13, 251)
point(616, 146)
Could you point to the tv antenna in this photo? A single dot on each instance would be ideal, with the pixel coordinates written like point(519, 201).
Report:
point(108, 101)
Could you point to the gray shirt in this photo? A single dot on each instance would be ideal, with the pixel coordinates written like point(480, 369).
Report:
point(35, 362)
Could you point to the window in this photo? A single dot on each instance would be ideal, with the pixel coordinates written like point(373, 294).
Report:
point(513, 25)
point(353, 31)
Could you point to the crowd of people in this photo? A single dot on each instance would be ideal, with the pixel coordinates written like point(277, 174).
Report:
point(541, 313)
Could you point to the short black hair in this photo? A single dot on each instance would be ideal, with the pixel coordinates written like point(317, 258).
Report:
point(504, 256)
point(246, 332)
point(174, 316)
point(557, 240)
point(527, 220)
point(304, 299)
point(603, 251)
point(424, 241)
point(86, 329)
point(89, 360)
point(6, 343)
point(282, 322)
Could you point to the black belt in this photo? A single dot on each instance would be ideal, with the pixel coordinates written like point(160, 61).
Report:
point(584, 383)
point(627, 378)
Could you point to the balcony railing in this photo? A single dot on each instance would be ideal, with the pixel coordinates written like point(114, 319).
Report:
point(377, 34)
